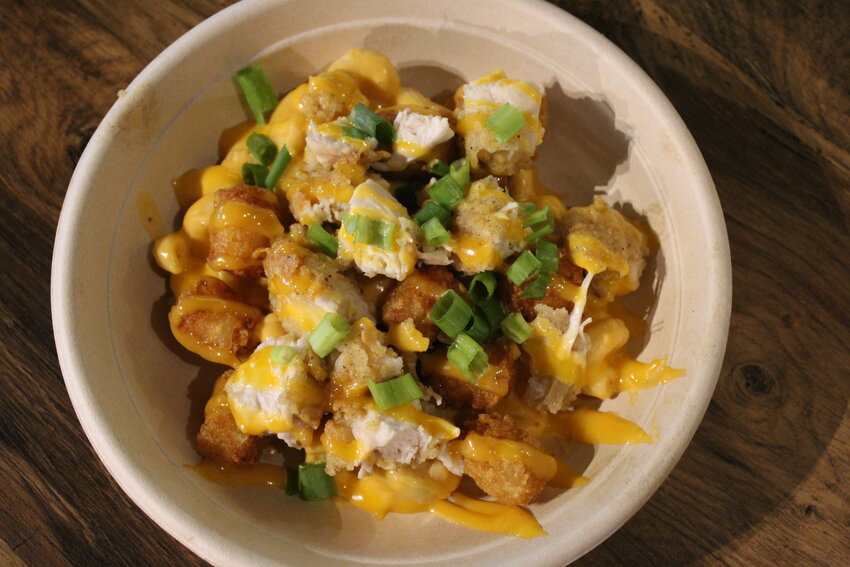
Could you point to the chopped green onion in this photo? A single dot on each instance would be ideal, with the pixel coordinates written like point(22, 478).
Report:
point(278, 166)
point(439, 168)
point(364, 119)
point(314, 483)
point(326, 242)
point(482, 287)
point(537, 288)
point(480, 328)
point(432, 210)
point(547, 253)
point(516, 328)
point(262, 148)
point(282, 355)
point(459, 171)
point(369, 231)
point(537, 217)
point(527, 208)
point(523, 267)
point(258, 92)
point(450, 313)
point(539, 233)
point(492, 310)
point(395, 392)
point(329, 332)
point(291, 487)
point(355, 133)
point(468, 356)
point(447, 192)
point(435, 233)
point(507, 121)
point(254, 174)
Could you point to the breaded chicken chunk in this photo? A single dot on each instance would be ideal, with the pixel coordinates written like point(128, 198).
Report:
point(491, 387)
point(415, 296)
point(219, 439)
point(202, 324)
point(245, 219)
point(330, 95)
point(559, 293)
point(511, 482)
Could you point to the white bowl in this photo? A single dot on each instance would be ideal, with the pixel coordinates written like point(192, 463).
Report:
point(610, 127)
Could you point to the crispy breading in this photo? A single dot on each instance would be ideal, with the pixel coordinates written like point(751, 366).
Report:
point(568, 273)
point(330, 95)
point(510, 482)
point(460, 393)
point(226, 334)
point(234, 247)
point(219, 438)
point(415, 296)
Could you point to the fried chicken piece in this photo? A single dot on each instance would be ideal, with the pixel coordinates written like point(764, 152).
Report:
point(219, 438)
point(511, 482)
point(556, 295)
point(330, 95)
point(415, 296)
point(244, 220)
point(210, 320)
point(492, 386)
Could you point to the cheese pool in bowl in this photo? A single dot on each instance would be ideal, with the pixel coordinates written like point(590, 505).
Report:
point(608, 131)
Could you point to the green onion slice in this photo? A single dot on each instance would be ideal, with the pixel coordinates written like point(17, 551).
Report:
point(435, 232)
point(468, 356)
point(314, 483)
point(395, 392)
point(282, 355)
point(447, 192)
point(262, 148)
point(459, 171)
point(537, 217)
point(527, 208)
point(432, 210)
point(369, 231)
point(367, 121)
point(258, 92)
point(330, 331)
point(325, 241)
point(516, 328)
point(539, 233)
point(507, 121)
point(450, 313)
point(278, 166)
point(254, 174)
point(482, 287)
point(355, 133)
point(547, 253)
point(492, 310)
point(479, 329)
point(439, 168)
point(523, 268)
point(537, 288)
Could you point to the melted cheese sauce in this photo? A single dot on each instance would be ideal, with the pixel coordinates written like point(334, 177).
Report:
point(259, 474)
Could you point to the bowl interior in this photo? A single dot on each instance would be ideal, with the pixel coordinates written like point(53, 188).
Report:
point(610, 132)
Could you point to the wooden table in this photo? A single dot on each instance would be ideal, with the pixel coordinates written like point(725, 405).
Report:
point(765, 89)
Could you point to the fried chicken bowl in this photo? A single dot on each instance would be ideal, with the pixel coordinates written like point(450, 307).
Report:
point(364, 305)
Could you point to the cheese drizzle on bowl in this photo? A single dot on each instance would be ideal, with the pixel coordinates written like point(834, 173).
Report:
point(403, 303)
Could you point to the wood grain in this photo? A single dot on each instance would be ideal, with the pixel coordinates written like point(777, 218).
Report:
point(764, 88)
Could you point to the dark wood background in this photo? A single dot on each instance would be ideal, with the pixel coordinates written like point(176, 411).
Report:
point(763, 86)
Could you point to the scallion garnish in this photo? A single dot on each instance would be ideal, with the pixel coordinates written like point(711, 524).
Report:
point(432, 210)
point(392, 393)
point(523, 268)
point(459, 170)
point(450, 313)
point(435, 233)
point(537, 288)
point(538, 217)
point(479, 329)
point(507, 121)
point(254, 174)
point(539, 233)
point(262, 148)
point(516, 328)
point(278, 166)
point(314, 483)
point(547, 253)
point(325, 241)
point(369, 231)
point(330, 331)
point(282, 355)
point(482, 287)
point(468, 356)
point(447, 192)
point(527, 208)
point(439, 168)
point(258, 92)
point(367, 121)
point(352, 132)
point(492, 310)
